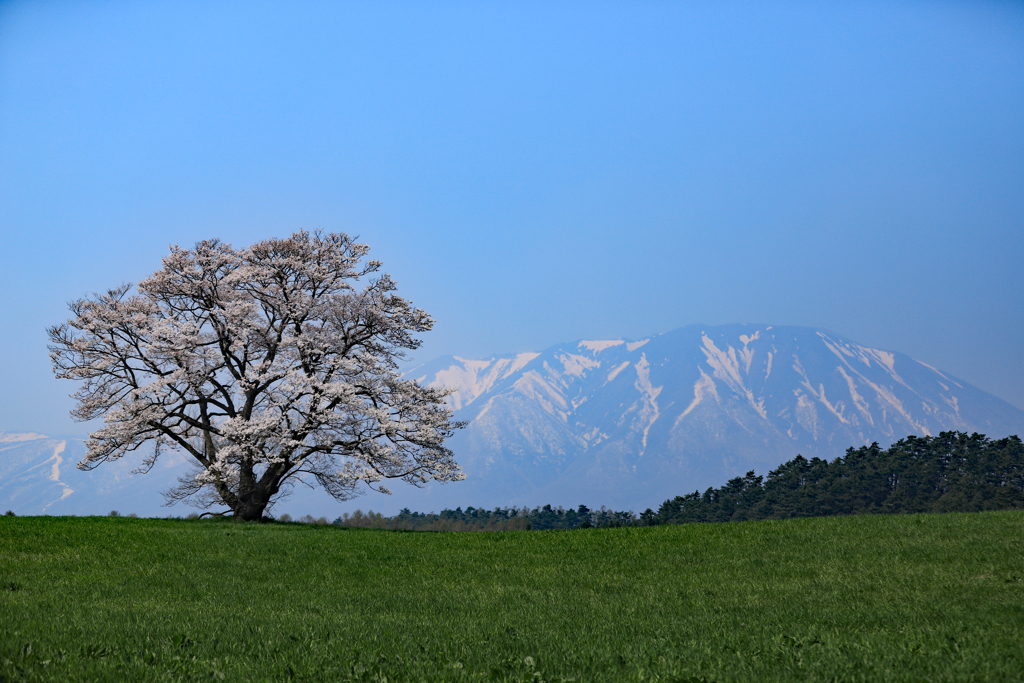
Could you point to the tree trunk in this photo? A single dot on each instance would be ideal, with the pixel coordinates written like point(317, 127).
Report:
point(250, 507)
point(250, 512)
point(251, 499)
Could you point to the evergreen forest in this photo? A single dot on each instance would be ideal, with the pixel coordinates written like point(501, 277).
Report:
point(951, 472)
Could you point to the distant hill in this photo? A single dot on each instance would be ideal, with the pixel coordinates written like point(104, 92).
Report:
point(622, 423)
point(38, 476)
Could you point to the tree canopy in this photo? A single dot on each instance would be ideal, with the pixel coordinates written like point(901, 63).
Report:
point(951, 472)
point(266, 365)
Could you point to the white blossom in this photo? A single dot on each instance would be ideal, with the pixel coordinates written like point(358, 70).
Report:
point(266, 365)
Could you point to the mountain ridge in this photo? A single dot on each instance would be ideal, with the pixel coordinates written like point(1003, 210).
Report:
point(691, 407)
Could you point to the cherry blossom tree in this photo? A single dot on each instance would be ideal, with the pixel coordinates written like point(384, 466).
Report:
point(266, 365)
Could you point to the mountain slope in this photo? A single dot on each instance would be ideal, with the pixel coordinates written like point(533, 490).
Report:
point(629, 423)
point(38, 476)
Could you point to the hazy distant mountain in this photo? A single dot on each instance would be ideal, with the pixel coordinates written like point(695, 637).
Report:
point(630, 423)
point(621, 423)
point(38, 477)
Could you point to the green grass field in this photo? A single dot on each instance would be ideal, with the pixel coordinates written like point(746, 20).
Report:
point(926, 597)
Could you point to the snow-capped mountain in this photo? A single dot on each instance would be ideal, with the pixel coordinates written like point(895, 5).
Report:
point(620, 423)
point(631, 423)
point(38, 476)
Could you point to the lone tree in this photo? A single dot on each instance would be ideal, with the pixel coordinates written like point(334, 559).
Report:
point(265, 365)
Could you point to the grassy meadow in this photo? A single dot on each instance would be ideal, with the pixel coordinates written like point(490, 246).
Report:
point(877, 598)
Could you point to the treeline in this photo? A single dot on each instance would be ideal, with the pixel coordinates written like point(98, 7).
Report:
point(951, 472)
point(498, 519)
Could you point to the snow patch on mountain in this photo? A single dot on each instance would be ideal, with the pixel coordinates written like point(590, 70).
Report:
point(648, 410)
point(617, 369)
point(18, 438)
point(954, 403)
point(520, 362)
point(704, 385)
point(577, 366)
point(469, 380)
point(533, 387)
point(726, 367)
point(937, 372)
point(806, 414)
point(601, 345)
point(855, 396)
point(57, 460)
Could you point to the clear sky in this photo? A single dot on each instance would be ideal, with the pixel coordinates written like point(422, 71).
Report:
point(532, 173)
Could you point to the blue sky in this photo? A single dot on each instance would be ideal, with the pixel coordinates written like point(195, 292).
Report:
point(532, 173)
